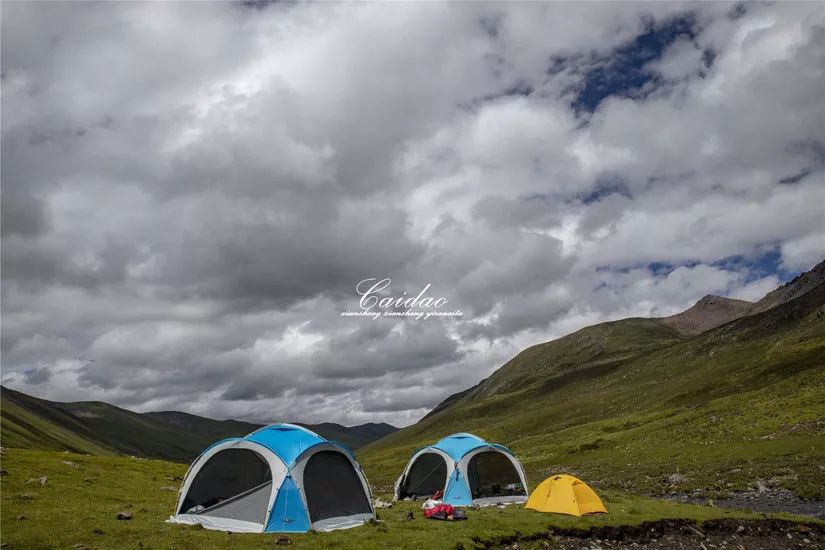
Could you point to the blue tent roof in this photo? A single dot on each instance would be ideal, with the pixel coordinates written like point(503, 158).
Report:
point(458, 445)
point(286, 440)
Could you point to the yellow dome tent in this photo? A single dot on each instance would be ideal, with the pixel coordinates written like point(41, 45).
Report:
point(563, 494)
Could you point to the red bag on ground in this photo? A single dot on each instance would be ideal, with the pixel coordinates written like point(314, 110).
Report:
point(442, 510)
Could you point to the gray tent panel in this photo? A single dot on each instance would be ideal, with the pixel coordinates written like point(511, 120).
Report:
point(331, 524)
point(249, 506)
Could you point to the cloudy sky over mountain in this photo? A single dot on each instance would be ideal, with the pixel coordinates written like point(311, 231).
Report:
point(192, 191)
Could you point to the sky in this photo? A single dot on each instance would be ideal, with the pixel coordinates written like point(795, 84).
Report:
point(191, 192)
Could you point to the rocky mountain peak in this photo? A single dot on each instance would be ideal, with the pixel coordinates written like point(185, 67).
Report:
point(712, 311)
point(709, 312)
point(792, 289)
point(713, 300)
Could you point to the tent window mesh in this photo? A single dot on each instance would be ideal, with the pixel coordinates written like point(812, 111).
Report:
point(492, 474)
point(427, 475)
point(332, 487)
point(227, 474)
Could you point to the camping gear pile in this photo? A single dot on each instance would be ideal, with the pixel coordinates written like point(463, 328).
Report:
point(435, 508)
point(285, 478)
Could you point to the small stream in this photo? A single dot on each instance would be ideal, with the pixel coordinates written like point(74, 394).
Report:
point(770, 501)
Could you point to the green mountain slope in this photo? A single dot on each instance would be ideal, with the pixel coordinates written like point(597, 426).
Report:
point(583, 355)
point(98, 428)
point(93, 425)
point(628, 404)
point(23, 428)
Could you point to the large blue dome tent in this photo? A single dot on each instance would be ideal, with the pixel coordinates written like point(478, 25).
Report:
point(467, 469)
point(281, 479)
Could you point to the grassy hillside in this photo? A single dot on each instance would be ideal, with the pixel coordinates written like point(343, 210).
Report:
point(630, 403)
point(22, 428)
point(98, 428)
point(78, 505)
point(586, 354)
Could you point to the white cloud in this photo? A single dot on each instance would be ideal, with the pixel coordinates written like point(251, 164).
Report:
point(682, 59)
point(755, 290)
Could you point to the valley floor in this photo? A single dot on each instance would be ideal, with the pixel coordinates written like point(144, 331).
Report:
point(77, 504)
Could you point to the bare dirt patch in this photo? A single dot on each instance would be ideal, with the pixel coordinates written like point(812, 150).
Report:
point(768, 534)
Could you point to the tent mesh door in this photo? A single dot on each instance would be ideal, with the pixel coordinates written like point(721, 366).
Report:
point(332, 487)
point(427, 475)
point(227, 473)
point(491, 474)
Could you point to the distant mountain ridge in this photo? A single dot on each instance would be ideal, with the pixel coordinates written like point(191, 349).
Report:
point(351, 436)
point(354, 437)
point(95, 427)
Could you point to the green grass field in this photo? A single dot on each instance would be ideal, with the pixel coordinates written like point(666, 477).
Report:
point(78, 505)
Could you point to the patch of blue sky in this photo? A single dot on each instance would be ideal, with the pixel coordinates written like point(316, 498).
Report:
point(623, 72)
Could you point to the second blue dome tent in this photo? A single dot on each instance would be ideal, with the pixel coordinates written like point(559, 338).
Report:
point(469, 470)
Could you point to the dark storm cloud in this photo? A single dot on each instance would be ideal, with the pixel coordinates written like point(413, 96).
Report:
point(22, 215)
point(191, 191)
point(530, 211)
point(372, 351)
point(37, 376)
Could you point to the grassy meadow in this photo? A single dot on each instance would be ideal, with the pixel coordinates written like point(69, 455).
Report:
point(78, 506)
